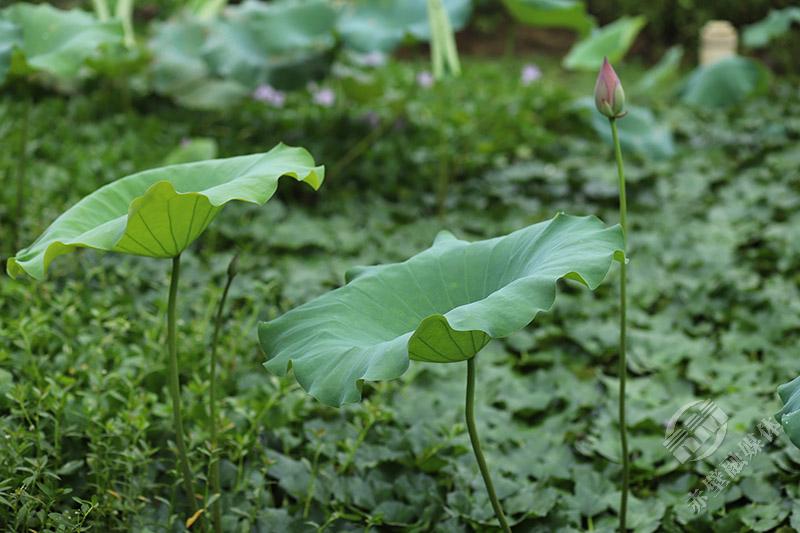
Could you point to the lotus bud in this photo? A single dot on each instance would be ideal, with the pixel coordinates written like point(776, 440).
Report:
point(608, 94)
point(233, 266)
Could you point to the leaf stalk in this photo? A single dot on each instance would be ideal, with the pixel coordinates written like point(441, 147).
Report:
point(476, 445)
point(175, 386)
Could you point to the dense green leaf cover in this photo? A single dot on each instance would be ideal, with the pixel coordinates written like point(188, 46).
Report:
point(715, 250)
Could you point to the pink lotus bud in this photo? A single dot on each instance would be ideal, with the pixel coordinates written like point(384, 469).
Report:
point(608, 94)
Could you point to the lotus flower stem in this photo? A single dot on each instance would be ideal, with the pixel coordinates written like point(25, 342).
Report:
point(175, 386)
point(213, 473)
point(623, 365)
point(476, 445)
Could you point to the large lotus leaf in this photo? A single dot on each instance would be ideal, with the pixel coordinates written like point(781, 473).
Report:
point(58, 42)
point(258, 43)
point(789, 415)
point(611, 41)
point(442, 305)
point(773, 25)
point(160, 212)
point(382, 25)
point(552, 14)
point(725, 83)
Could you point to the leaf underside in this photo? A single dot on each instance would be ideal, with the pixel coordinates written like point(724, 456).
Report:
point(160, 212)
point(442, 305)
point(789, 415)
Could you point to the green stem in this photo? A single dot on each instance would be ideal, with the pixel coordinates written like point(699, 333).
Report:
point(175, 386)
point(623, 365)
point(476, 445)
point(22, 164)
point(212, 405)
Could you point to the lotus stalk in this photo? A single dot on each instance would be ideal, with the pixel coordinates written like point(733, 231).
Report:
point(609, 98)
point(476, 446)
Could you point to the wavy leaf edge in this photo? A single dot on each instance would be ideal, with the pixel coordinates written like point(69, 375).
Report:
point(355, 394)
point(42, 260)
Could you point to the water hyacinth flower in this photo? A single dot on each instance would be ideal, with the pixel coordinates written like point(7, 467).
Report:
point(425, 79)
point(530, 73)
point(324, 97)
point(269, 95)
point(608, 94)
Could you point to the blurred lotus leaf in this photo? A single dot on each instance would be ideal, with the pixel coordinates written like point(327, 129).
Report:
point(382, 25)
point(774, 25)
point(639, 130)
point(662, 74)
point(43, 39)
point(215, 63)
point(191, 150)
point(725, 83)
point(552, 14)
point(612, 41)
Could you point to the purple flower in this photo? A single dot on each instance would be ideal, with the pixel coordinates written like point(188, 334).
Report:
point(373, 59)
point(372, 118)
point(186, 141)
point(269, 95)
point(325, 97)
point(530, 73)
point(608, 94)
point(425, 79)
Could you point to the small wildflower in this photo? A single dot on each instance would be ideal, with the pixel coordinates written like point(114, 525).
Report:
point(372, 59)
point(530, 73)
point(325, 97)
point(269, 95)
point(425, 79)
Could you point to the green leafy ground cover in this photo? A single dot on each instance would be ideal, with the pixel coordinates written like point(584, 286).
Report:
point(85, 426)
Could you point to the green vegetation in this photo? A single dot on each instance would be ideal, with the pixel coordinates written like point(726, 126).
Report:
point(86, 429)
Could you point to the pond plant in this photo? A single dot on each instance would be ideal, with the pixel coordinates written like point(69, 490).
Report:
point(159, 213)
point(609, 97)
point(213, 469)
point(443, 305)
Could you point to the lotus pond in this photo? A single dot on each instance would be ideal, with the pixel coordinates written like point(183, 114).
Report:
point(325, 310)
